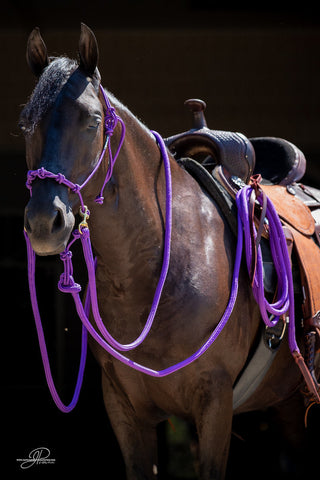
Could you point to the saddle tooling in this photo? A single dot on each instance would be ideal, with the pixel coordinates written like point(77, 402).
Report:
point(223, 162)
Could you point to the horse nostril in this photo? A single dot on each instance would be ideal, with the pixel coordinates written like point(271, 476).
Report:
point(58, 222)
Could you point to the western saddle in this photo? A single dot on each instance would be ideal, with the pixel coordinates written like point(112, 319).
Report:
point(222, 161)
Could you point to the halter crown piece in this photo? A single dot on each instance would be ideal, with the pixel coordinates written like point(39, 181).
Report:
point(283, 302)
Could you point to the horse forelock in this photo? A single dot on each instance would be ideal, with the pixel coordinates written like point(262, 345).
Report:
point(53, 79)
point(50, 84)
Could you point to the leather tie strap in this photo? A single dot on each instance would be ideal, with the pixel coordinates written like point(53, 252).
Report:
point(256, 238)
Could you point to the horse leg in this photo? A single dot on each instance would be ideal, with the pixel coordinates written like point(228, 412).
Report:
point(137, 439)
point(214, 423)
point(290, 419)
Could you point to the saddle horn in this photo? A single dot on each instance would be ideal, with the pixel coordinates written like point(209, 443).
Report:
point(197, 108)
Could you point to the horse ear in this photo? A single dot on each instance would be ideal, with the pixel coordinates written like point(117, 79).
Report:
point(37, 57)
point(88, 50)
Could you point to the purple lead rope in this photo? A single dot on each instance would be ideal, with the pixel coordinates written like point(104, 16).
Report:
point(42, 343)
point(86, 245)
point(164, 270)
point(83, 311)
point(284, 301)
point(285, 294)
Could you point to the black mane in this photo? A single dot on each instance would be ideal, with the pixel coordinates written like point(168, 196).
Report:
point(50, 84)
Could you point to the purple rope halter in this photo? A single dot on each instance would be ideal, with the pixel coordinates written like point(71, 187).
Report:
point(111, 119)
point(67, 284)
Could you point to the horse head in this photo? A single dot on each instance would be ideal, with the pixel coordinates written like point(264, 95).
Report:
point(64, 133)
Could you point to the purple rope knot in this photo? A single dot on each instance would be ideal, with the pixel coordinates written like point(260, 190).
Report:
point(99, 199)
point(70, 287)
point(110, 120)
point(76, 188)
point(76, 235)
point(60, 178)
point(31, 176)
point(41, 173)
point(83, 233)
point(65, 255)
point(66, 283)
point(29, 185)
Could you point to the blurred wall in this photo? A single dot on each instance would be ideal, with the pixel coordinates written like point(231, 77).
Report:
point(257, 81)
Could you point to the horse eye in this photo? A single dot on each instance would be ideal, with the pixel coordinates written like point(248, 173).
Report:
point(94, 123)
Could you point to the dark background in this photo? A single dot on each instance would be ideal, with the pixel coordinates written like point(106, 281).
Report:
point(257, 68)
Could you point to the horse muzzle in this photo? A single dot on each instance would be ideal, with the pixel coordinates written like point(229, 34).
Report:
point(48, 219)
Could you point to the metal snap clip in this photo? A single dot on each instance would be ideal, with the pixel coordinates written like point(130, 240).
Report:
point(85, 215)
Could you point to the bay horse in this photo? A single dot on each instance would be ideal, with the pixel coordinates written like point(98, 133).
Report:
point(63, 124)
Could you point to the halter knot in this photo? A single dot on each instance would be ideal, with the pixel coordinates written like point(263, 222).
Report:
point(70, 287)
point(83, 232)
point(31, 176)
point(99, 199)
point(66, 283)
point(42, 173)
point(60, 178)
point(110, 120)
point(65, 255)
point(76, 188)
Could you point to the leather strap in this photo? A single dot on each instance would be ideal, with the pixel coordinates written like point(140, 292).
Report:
point(309, 260)
point(290, 208)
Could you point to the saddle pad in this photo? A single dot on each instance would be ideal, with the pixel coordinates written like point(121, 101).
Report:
point(290, 208)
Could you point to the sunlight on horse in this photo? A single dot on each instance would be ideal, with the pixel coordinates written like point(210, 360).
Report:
point(64, 125)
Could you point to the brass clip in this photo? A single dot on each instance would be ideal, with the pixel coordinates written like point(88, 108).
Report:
point(85, 215)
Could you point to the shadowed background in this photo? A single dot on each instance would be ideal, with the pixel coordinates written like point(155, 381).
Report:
point(257, 68)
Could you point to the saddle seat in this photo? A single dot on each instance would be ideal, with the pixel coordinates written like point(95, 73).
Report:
point(277, 160)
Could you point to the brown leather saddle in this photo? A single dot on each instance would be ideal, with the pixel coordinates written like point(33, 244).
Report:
point(222, 161)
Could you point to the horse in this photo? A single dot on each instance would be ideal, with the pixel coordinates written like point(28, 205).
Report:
point(63, 124)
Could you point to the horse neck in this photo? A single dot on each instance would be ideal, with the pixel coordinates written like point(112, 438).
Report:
point(127, 231)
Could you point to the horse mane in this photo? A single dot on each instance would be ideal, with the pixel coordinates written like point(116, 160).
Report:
point(54, 77)
point(50, 84)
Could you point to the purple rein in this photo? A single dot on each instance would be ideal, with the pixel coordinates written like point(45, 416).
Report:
point(283, 303)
